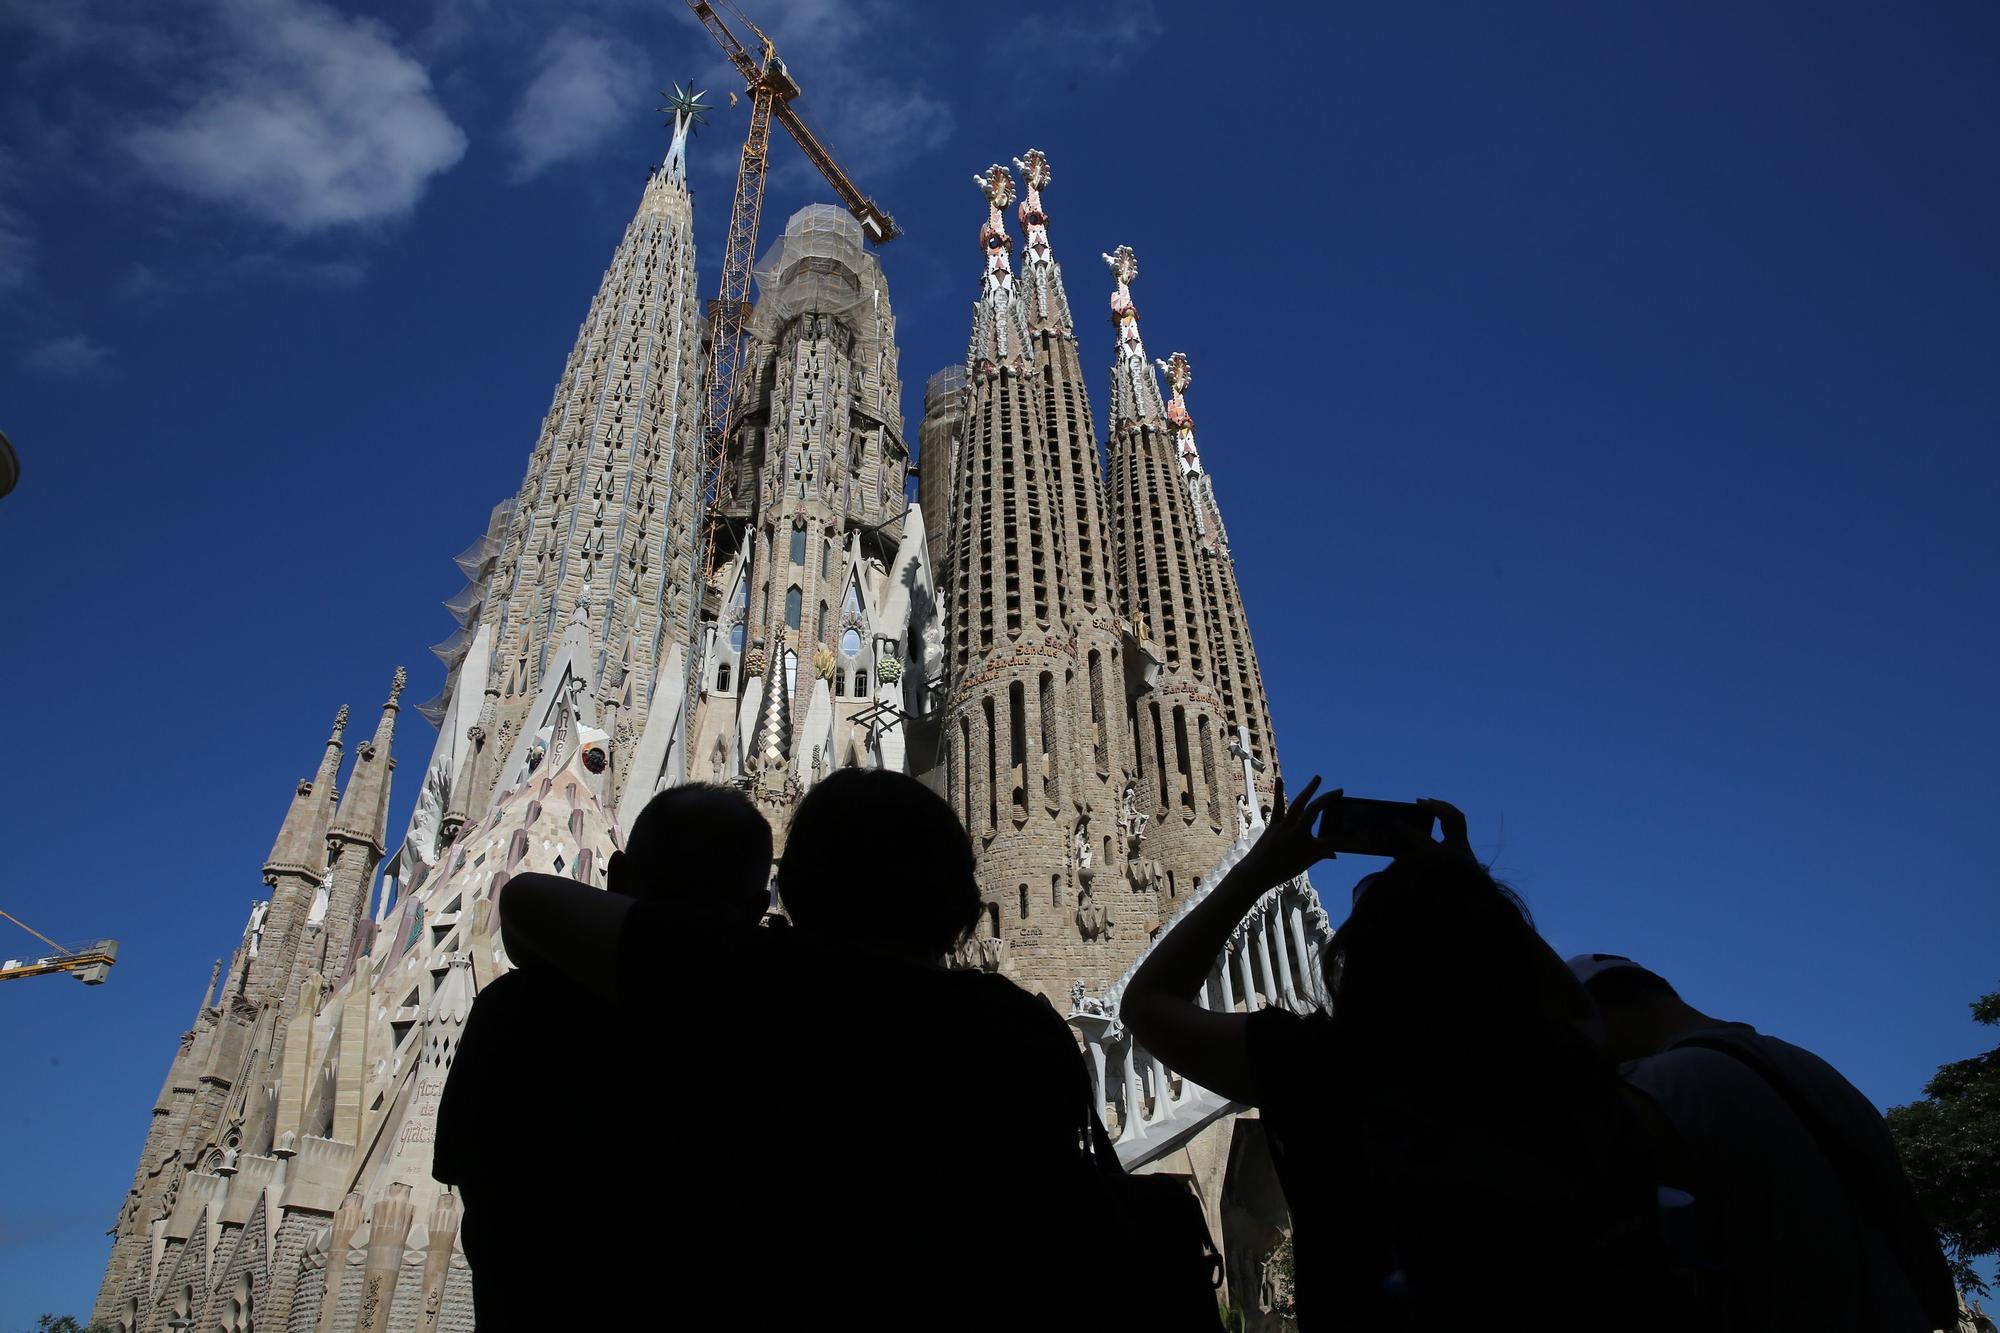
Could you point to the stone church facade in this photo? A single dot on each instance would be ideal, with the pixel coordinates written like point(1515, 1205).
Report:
point(1056, 644)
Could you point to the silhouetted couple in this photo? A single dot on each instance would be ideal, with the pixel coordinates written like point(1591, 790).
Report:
point(1458, 1148)
point(676, 1115)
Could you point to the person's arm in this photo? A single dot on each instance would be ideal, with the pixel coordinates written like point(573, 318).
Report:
point(550, 922)
point(1159, 1006)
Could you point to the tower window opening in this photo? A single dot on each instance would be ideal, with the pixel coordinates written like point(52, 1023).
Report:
point(1097, 728)
point(1183, 768)
point(1024, 902)
point(794, 605)
point(965, 769)
point(1046, 707)
point(1205, 734)
point(722, 678)
point(798, 546)
point(992, 769)
point(1017, 749)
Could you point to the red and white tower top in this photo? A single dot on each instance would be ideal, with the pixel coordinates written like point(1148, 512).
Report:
point(999, 320)
point(997, 184)
point(1048, 304)
point(1207, 514)
point(1135, 394)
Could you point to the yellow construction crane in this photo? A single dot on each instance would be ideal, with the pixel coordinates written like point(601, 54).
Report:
point(772, 90)
point(89, 963)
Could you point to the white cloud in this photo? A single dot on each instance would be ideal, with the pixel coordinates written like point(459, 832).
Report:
point(303, 117)
point(583, 92)
point(78, 354)
point(1113, 36)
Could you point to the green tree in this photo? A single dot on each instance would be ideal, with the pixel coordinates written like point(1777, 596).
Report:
point(1950, 1143)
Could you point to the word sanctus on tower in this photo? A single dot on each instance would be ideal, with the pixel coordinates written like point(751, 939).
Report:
point(1055, 642)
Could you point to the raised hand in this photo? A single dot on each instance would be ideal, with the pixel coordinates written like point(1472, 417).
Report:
point(1451, 824)
point(1288, 845)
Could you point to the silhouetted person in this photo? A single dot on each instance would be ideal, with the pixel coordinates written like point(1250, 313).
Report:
point(1808, 1219)
point(1453, 1150)
point(922, 1162)
point(554, 1102)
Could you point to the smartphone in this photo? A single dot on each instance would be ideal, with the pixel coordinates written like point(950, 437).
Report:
point(1361, 827)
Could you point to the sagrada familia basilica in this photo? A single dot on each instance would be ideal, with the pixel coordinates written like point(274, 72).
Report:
point(1053, 637)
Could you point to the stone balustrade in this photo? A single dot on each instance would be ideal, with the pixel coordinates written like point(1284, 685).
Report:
point(1272, 958)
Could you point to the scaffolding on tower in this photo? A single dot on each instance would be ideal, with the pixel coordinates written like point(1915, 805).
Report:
point(772, 90)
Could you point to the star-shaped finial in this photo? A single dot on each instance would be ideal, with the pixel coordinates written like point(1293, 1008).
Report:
point(685, 103)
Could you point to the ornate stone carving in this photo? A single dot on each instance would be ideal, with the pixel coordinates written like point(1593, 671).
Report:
point(1092, 920)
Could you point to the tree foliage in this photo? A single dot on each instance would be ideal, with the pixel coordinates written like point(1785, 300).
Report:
point(1950, 1143)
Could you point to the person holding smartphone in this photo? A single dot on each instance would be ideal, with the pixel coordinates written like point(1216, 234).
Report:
point(1448, 1139)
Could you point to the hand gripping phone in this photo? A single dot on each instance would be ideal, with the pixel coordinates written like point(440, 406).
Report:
point(1361, 827)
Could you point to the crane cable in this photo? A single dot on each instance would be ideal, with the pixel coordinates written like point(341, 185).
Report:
point(36, 933)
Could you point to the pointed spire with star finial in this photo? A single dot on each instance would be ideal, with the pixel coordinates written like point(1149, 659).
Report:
point(689, 114)
point(607, 512)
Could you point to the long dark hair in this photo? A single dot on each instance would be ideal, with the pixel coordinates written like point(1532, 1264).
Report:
point(1435, 945)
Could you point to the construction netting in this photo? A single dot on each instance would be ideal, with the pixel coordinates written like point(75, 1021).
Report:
point(818, 267)
point(942, 385)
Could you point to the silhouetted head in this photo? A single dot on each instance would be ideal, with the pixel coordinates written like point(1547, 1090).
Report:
point(879, 858)
point(701, 845)
point(1639, 1013)
point(1437, 953)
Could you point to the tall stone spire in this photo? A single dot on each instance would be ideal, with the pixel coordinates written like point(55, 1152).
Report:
point(1029, 771)
point(301, 844)
point(1074, 469)
point(293, 872)
point(359, 835)
point(1100, 742)
point(1179, 729)
point(1237, 673)
point(604, 519)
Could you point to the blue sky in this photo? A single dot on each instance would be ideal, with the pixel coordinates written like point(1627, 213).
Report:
point(1602, 398)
